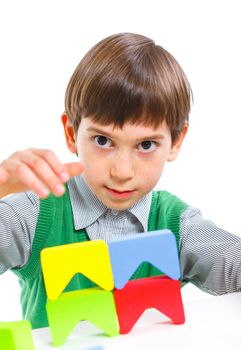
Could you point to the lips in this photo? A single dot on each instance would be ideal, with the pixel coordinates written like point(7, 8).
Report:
point(124, 191)
point(119, 194)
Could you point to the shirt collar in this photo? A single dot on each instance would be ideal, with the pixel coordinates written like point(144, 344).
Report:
point(87, 208)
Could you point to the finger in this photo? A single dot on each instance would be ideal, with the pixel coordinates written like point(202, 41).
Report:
point(74, 168)
point(44, 172)
point(3, 175)
point(25, 177)
point(54, 162)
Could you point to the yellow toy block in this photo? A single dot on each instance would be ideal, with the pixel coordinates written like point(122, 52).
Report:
point(61, 263)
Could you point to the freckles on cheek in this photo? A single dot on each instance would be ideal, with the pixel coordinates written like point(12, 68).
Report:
point(84, 156)
point(90, 177)
point(153, 174)
point(92, 170)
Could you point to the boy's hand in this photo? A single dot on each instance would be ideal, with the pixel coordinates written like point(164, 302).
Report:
point(38, 170)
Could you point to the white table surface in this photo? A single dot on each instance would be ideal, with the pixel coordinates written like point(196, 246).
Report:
point(213, 323)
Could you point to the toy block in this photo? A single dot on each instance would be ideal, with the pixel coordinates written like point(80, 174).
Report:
point(61, 263)
point(159, 248)
point(161, 293)
point(93, 304)
point(16, 336)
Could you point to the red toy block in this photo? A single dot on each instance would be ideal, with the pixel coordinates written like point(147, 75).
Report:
point(161, 293)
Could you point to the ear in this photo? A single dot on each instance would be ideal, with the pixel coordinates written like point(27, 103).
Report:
point(176, 146)
point(69, 134)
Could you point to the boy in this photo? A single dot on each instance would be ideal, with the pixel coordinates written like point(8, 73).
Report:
point(126, 114)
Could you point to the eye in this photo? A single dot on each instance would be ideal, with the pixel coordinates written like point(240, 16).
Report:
point(147, 146)
point(102, 141)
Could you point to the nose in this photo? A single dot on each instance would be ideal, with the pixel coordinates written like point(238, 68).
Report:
point(122, 167)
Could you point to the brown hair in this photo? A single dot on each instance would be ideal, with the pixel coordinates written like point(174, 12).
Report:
point(128, 78)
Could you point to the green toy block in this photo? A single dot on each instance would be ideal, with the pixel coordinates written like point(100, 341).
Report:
point(16, 336)
point(93, 304)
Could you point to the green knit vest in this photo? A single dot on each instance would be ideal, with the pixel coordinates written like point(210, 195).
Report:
point(56, 227)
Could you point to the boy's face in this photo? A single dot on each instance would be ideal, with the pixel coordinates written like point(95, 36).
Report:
point(121, 165)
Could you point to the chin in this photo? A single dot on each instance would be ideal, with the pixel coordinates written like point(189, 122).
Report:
point(123, 206)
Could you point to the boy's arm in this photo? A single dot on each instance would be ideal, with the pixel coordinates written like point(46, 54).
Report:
point(38, 170)
point(210, 256)
point(18, 219)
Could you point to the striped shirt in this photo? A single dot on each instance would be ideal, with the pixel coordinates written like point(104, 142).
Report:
point(209, 256)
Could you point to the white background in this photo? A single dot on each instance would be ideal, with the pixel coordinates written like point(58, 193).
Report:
point(41, 42)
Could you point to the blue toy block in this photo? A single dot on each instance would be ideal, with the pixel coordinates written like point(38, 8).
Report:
point(159, 248)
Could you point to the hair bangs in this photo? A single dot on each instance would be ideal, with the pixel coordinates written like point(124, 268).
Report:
point(121, 101)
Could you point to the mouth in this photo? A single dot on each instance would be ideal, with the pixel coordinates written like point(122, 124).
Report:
point(120, 194)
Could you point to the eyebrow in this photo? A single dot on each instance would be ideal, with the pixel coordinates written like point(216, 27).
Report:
point(148, 137)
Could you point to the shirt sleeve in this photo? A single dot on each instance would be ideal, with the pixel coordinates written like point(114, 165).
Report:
point(18, 220)
point(210, 257)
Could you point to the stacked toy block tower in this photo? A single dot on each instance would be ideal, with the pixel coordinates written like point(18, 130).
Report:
point(117, 302)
